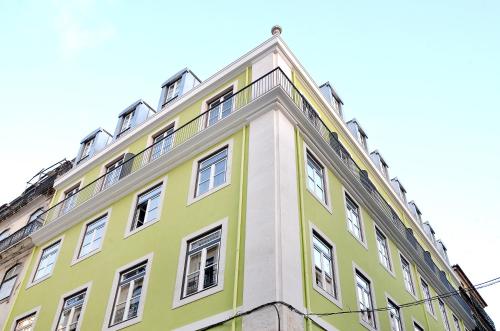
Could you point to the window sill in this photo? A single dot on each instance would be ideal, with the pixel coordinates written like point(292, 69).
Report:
point(203, 294)
point(328, 296)
point(366, 325)
point(324, 204)
point(204, 195)
point(38, 281)
point(361, 242)
point(139, 229)
point(80, 259)
point(391, 272)
point(123, 324)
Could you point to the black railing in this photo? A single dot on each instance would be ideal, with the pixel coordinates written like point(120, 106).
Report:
point(275, 78)
point(20, 235)
point(133, 163)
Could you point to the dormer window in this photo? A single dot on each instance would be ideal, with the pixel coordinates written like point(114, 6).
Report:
point(398, 187)
point(87, 146)
point(362, 140)
point(126, 122)
point(380, 163)
point(173, 90)
point(415, 211)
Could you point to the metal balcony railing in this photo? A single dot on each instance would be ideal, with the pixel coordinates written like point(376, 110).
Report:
point(19, 235)
point(133, 163)
point(273, 79)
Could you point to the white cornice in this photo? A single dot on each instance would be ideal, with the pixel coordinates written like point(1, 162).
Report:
point(173, 109)
point(333, 116)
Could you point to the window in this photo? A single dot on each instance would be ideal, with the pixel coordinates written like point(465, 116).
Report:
point(173, 90)
point(146, 209)
point(4, 234)
point(353, 218)
point(69, 200)
point(323, 266)
point(405, 265)
point(93, 236)
point(442, 308)
point(417, 327)
point(128, 294)
point(126, 122)
point(362, 139)
point(35, 215)
point(26, 323)
point(71, 311)
point(220, 107)
point(47, 261)
point(113, 172)
point(383, 249)
point(316, 178)
point(211, 172)
point(427, 297)
point(365, 300)
point(202, 263)
point(162, 143)
point(394, 316)
point(87, 146)
point(457, 323)
point(9, 281)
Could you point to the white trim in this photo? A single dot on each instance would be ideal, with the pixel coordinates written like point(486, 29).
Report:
point(114, 287)
point(413, 279)
point(328, 203)
point(391, 262)
point(355, 268)
point(35, 311)
point(337, 301)
point(389, 297)
point(194, 171)
point(85, 287)
point(109, 161)
point(163, 188)
point(172, 123)
point(78, 247)
point(31, 281)
point(321, 322)
point(431, 302)
point(203, 323)
point(178, 300)
point(76, 184)
point(363, 240)
point(417, 322)
point(204, 102)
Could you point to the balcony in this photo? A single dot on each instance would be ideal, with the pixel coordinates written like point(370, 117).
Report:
point(274, 79)
point(20, 235)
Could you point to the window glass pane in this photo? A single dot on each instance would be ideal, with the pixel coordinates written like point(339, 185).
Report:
point(47, 261)
point(128, 296)
point(93, 236)
point(26, 323)
point(212, 172)
point(7, 287)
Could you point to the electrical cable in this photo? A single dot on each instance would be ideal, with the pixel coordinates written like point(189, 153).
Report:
point(484, 284)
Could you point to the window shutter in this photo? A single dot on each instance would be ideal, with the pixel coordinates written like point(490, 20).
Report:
point(127, 165)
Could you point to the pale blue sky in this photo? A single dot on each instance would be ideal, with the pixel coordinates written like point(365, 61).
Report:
point(422, 77)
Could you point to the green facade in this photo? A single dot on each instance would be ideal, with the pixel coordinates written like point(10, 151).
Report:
point(179, 219)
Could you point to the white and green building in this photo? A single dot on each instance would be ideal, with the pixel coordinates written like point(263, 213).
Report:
point(243, 194)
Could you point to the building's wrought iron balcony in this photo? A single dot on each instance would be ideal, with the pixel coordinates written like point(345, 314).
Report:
point(20, 235)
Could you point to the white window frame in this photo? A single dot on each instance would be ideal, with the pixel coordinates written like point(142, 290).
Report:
point(417, 325)
point(456, 323)
point(429, 306)
point(336, 280)
point(87, 146)
point(221, 99)
point(76, 258)
point(193, 186)
point(128, 229)
point(327, 201)
point(114, 290)
point(104, 184)
point(35, 311)
point(376, 325)
point(400, 311)
point(362, 231)
point(18, 265)
point(86, 287)
point(179, 299)
point(37, 212)
point(32, 281)
point(126, 119)
point(175, 88)
point(390, 268)
point(412, 278)
point(444, 315)
point(68, 205)
point(4, 234)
